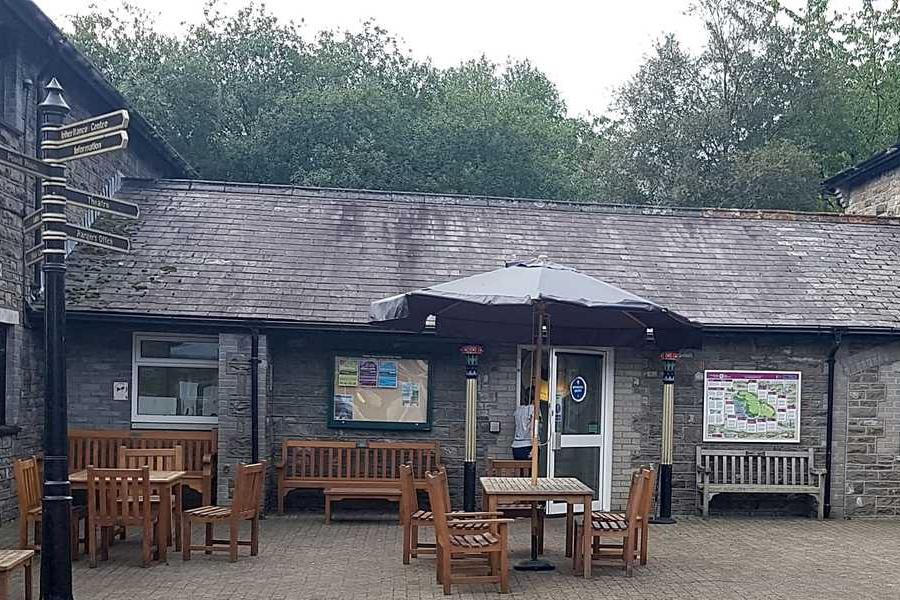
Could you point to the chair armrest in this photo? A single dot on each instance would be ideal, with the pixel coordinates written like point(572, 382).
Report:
point(818, 471)
point(208, 468)
point(462, 515)
point(702, 469)
point(479, 522)
point(279, 465)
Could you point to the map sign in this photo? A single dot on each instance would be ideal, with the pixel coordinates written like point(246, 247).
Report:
point(751, 406)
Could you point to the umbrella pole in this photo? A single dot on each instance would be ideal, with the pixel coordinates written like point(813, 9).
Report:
point(535, 563)
point(537, 359)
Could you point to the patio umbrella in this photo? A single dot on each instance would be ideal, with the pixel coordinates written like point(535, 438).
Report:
point(519, 301)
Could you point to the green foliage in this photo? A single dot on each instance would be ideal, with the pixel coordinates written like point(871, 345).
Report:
point(776, 100)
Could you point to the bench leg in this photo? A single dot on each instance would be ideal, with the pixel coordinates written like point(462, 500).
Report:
point(820, 506)
point(327, 510)
point(186, 538)
point(407, 542)
point(705, 504)
point(280, 502)
point(4, 586)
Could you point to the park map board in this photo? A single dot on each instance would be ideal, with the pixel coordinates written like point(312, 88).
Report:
point(751, 406)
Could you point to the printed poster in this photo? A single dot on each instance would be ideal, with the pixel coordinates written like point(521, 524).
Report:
point(387, 374)
point(343, 407)
point(410, 393)
point(368, 373)
point(751, 406)
point(348, 372)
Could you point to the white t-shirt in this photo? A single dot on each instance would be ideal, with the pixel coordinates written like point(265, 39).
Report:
point(523, 415)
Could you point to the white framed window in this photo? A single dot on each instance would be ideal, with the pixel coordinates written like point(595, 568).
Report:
point(175, 379)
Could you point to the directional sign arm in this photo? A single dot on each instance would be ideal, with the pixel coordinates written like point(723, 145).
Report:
point(118, 208)
point(101, 239)
point(23, 162)
point(85, 147)
point(88, 128)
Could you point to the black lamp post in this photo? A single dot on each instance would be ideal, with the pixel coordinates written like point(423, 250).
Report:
point(56, 560)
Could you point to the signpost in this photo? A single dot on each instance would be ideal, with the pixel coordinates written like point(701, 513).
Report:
point(60, 144)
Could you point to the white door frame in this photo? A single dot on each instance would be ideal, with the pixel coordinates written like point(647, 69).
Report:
point(604, 494)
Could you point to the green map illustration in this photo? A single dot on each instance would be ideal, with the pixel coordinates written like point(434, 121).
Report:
point(753, 406)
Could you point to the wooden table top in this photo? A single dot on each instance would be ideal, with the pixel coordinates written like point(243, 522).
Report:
point(156, 477)
point(546, 486)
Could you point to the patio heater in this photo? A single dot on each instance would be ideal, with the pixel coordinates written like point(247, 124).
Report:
point(471, 352)
point(668, 425)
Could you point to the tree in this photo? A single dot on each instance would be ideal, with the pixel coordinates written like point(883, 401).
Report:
point(246, 97)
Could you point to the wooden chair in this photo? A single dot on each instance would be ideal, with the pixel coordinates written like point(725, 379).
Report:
point(28, 486)
point(492, 543)
point(10, 560)
point(626, 531)
point(120, 498)
point(412, 517)
point(511, 467)
point(155, 459)
point(643, 522)
point(248, 489)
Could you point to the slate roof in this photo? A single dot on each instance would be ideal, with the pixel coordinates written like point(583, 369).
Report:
point(319, 256)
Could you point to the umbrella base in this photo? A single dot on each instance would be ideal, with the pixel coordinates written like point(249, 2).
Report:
point(536, 564)
point(662, 521)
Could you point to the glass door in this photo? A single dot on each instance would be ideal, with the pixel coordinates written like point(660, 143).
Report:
point(580, 421)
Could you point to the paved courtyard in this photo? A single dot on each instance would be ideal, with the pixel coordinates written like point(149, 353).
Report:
point(723, 558)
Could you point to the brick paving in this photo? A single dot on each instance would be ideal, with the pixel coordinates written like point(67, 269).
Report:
point(359, 559)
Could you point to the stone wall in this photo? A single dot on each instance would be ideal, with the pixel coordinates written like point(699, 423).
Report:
point(867, 474)
point(878, 197)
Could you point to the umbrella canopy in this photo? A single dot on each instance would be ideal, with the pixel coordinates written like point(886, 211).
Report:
point(499, 306)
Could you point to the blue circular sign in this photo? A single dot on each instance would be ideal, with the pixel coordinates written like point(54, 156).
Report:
point(578, 389)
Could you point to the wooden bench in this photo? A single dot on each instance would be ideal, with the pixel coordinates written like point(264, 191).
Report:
point(10, 560)
point(336, 494)
point(323, 464)
point(100, 448)
point(767, 472)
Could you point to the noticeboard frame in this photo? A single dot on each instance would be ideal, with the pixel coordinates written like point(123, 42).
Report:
point(380, 425)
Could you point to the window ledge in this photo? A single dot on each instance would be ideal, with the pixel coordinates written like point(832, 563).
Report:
point(8, 430)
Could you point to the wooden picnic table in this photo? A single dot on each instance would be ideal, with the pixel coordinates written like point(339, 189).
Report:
point(166, 484)
point(518, 490)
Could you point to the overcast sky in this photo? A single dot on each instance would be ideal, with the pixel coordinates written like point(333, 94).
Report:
point(587, 47)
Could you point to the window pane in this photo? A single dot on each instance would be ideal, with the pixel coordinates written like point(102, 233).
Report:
point(177, 391)
point(176, 349)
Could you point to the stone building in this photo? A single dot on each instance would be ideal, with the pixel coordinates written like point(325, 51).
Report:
point(32, 50)
point(774, 291)
point(871, 187)
point(217, 264)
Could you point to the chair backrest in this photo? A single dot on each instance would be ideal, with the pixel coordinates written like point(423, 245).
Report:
point(119, 496)
point(156, 459)
point(635, 495)
point(248, 488)
point(439, 507)
point(508, 467)
point(28, 484)
point(647, 496)
point(409, 501)
point(441, 474)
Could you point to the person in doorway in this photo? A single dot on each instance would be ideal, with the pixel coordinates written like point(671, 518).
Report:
point(521, 444)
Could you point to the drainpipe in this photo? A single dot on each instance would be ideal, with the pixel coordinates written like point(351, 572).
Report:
point(829, 421)
point(254, 395)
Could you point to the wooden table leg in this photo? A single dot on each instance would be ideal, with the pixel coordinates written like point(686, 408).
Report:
point(586, 541)
point(4, 585)
point(29, 585)
point(570, 526)
point(176, 531)
point(165, 522)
